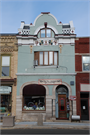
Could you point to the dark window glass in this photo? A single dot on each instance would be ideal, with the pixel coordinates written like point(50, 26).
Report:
point(5, 103)
point(86, 66)
point(26, 27)
point(62, 104)
point(5, 71)
point(34, 103)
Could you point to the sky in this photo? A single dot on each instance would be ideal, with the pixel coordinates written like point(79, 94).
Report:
point(12, 12)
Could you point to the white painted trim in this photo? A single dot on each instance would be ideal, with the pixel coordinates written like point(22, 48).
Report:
point(36, 74)
point(37, 18)
point(48, 26)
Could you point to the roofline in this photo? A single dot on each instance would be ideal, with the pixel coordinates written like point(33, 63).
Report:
point(13, 34)
point(83, 37)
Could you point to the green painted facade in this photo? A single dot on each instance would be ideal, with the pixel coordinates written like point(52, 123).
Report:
point(66, 60)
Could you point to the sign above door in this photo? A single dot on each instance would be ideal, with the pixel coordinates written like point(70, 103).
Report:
point(49, 81)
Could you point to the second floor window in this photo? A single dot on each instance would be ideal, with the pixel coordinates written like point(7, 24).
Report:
point(86, 63)
point(46, 58)
point(5, 65)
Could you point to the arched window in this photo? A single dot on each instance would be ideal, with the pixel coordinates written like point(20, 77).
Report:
point(46, 33)
point(34, 97)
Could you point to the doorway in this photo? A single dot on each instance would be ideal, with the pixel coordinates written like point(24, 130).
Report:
point(62, 113)
point(84, 109)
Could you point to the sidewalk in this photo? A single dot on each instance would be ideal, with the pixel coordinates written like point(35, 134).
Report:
point(49, 125)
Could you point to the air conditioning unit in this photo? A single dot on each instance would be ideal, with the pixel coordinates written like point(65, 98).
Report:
point(35, 62)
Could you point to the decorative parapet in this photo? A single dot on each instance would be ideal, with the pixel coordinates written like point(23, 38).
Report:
point(24, 32)
point(8, 43)
point(67, 31)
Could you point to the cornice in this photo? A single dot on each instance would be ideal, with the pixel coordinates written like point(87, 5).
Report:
point(52, 74)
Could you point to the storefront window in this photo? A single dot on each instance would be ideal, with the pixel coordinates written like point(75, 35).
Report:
point(34, 103)
point(5, 103)
point(6, 93)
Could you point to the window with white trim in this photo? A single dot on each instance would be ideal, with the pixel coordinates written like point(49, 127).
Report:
point(86, 63)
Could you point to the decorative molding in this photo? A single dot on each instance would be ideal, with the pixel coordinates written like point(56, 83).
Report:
point(37, 74)
point(48, 26)
point(63, 83)
point(31, 47)
point(8, 44)
point(60, 46)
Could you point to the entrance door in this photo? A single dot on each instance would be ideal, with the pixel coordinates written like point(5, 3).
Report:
point(62, 106)
point(84, 109)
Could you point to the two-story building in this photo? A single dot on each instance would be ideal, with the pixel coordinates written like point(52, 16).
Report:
point(8, 69)
point(82, 67)
point(46, 69)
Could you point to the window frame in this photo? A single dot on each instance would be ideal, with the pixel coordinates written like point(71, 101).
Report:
point(86, 63)
point(6, 55)
point(46, 32)
point(43, 58)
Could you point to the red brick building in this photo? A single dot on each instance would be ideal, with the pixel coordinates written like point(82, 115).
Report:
point(82, 67)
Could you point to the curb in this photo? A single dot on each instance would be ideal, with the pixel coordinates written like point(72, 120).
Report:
point(45, 127)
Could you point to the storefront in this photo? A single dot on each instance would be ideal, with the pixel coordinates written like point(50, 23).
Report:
point(6, 99)
point(7, 96)
point(46, 69)
point(84, 99)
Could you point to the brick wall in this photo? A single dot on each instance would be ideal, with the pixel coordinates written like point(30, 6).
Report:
point(80, 78)
point(82, 45)
point(78, 63)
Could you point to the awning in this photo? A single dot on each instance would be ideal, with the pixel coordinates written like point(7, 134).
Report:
point(34, 90)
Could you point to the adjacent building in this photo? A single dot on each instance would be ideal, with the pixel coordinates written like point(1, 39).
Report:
point(46, 69)
point(8, 69)
point(82, 67)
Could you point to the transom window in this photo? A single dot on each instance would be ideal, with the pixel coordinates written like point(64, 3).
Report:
point(45, 33)
point(46, 58)
point(86, 63)
point(5, 65)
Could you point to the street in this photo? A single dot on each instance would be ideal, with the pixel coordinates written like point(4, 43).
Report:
point(44, 131)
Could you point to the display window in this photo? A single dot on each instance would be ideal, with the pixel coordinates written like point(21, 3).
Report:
point(5, 103)
point(34, 103)
point(34, 97)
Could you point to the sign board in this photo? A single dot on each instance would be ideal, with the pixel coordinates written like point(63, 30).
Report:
point(5, 90)
point(72, 97)
point(49, 81)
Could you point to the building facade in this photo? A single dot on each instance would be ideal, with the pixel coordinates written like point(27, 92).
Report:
point(46, 69)
point(8, 69)
point(82, 67)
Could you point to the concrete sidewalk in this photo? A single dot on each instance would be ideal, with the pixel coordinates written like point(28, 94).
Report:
point(49, 125)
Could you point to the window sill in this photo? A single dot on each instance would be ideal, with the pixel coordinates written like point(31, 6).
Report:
point(32, 111)
point(3, 77)
point(86, 71)
point(45, 66)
